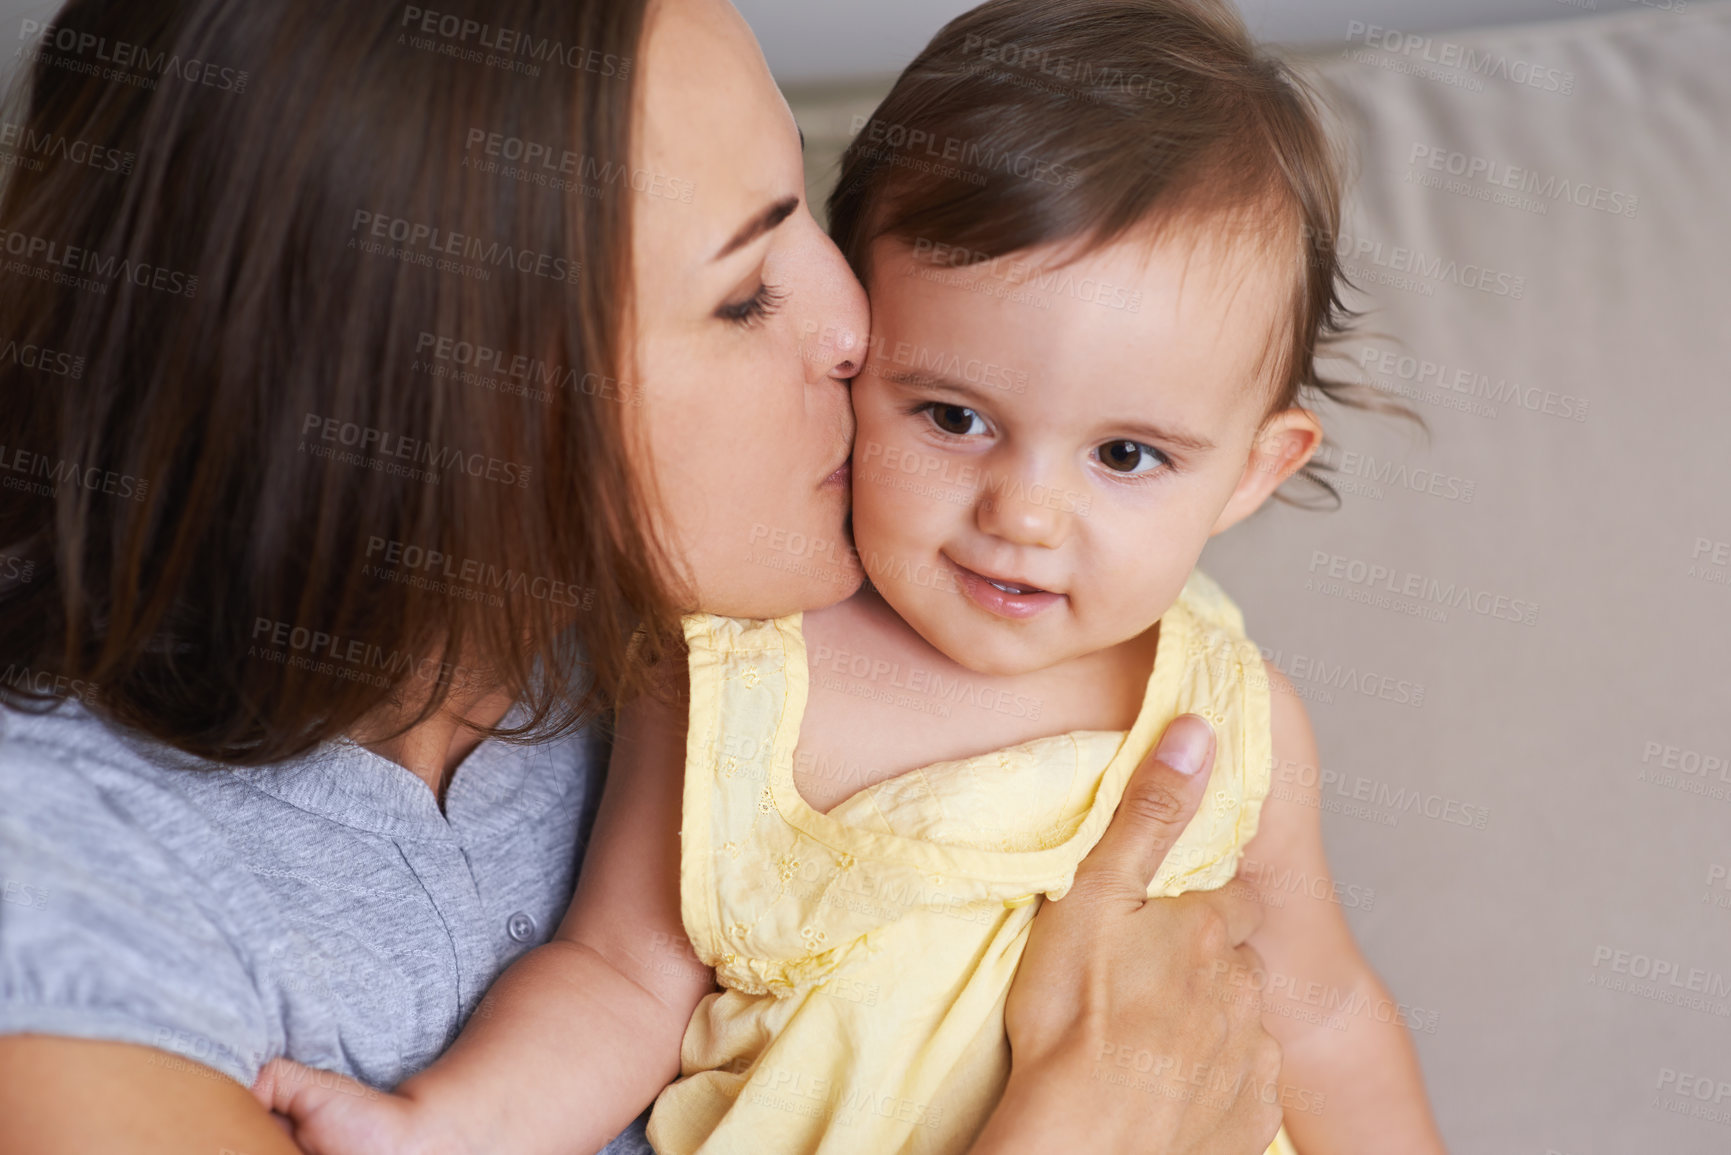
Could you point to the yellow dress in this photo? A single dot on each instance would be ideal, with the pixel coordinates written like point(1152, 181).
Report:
point(865, 954)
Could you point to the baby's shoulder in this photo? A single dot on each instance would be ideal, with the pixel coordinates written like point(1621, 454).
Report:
point(1216, 646)
point(1211, 606)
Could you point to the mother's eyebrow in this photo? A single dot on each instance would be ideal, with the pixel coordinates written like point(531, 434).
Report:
point(762, 223)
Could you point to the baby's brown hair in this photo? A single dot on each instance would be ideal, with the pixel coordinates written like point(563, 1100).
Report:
point(1028, 123)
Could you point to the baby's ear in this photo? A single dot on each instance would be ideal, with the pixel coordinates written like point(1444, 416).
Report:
point(1286, 441)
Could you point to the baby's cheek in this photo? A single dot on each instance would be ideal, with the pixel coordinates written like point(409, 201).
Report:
point(1132, 608)
point(881, 506)
point(879, 456)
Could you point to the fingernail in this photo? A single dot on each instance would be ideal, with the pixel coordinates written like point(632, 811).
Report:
point(1185, 744)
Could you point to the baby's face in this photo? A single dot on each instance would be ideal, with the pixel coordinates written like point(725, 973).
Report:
point(1037, 466)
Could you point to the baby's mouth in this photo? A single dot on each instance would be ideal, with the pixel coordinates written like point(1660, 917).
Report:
point(1005, 597)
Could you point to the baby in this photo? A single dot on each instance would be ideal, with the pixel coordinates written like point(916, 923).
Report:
point(1095, 235)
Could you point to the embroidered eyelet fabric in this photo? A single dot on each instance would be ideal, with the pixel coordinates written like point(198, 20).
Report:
point(865, 954)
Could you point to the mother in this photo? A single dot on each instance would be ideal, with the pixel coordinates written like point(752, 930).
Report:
point(364, 361)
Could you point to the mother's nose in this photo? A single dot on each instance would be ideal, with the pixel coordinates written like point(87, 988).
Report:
point(837, 326)
point(833, 350)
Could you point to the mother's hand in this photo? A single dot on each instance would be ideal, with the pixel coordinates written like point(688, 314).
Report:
point(1122, 1025)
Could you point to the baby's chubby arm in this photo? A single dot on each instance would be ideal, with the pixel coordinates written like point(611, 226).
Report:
point(1357, 1090)
point(578, 1035)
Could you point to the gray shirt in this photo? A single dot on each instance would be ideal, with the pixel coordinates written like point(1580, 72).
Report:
point(323, 909)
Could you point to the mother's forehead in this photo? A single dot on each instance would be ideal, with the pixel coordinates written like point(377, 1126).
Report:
point(712, 118)
point(703, 66)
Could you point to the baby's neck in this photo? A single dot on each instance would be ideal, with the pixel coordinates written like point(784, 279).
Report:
point(1131, 660)
point(884, 700)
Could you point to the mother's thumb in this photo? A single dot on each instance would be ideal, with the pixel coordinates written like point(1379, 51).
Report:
point(1158, 803)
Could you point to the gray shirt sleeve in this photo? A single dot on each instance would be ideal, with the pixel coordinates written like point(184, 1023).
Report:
point(324, 910)
point(105, 929)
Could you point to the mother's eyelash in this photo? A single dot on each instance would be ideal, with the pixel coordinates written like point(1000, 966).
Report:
point(752, 311)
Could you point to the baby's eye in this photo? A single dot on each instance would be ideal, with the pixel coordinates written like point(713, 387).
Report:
point(1131, 457)
point(956, 420)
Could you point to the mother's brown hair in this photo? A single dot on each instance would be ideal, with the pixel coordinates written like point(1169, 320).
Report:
point(312, 325)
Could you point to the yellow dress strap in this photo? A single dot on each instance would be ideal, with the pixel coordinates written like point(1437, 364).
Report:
point(1211, 604)
point(1223, 681)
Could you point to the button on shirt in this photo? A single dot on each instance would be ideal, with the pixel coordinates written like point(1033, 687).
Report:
point(521, 927)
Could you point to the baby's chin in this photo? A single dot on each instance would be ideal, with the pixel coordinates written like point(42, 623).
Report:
point(1002, 649)
point(981, 646)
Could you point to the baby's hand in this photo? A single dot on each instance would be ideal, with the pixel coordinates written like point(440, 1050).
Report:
point(331, 1114)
